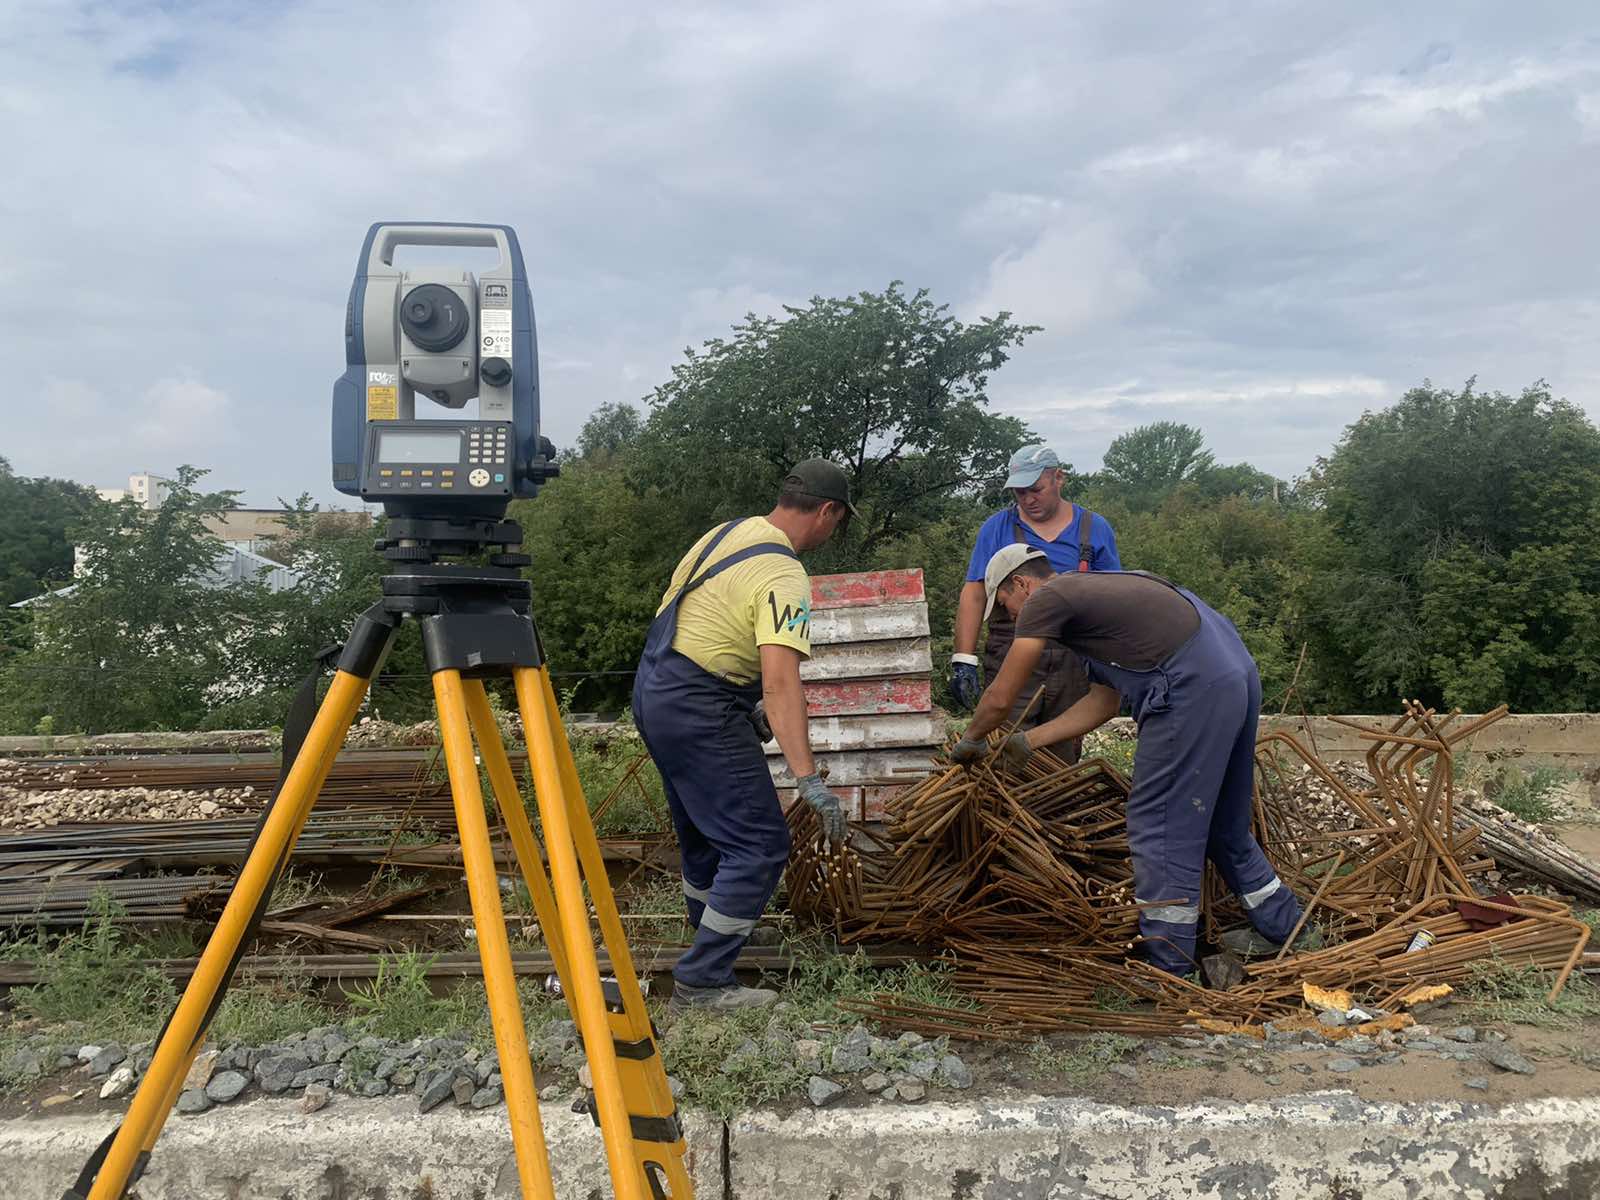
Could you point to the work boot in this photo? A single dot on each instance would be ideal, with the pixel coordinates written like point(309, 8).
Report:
point(1246, 942)
point(728, 998)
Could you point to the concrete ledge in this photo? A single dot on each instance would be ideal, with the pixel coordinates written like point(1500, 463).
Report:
point(1330, 1146)
point(351, 1150)
point(1327, 1146)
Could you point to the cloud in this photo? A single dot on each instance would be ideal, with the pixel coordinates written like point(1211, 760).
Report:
point(1075, 276)
point(182, 413)
point(1209, 217)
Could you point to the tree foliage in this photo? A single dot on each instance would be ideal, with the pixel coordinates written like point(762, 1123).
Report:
point(609, 429)
point(1443, 549)
point(137, 641)
point(888, 385)
point(1146, 464)
point(35, 551)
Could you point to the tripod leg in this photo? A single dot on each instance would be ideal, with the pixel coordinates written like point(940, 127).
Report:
point(500, 981)
point(644, 1078)
point(633, 1105)
point(153, 1100)
point(509, 797)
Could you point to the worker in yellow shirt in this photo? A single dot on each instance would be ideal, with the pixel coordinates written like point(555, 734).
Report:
point(730, 634)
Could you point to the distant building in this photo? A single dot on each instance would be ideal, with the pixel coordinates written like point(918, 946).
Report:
point(251, 528)
point(148, 490)
point(246, 532)
point(234, 565)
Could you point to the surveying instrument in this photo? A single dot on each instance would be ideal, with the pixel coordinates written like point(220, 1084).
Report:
point(444, 484)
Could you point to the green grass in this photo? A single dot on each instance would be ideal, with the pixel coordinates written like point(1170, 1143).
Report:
point(293, 889)
point(1079, 1058)
point(1500, 991)
point(1115, 750)
point(400, 1003)
point(603, 761)
point(1529, 794)
point(698, 1048)
point(255, 1012)
point(94, 979)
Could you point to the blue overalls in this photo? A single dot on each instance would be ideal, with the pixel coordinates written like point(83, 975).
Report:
point(731, 832)
point(1193, 773)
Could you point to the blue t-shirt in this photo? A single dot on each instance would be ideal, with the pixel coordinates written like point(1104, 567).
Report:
point(1001, 530)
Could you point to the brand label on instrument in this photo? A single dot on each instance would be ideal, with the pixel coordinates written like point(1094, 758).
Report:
point(494, 333)
point(383, 403)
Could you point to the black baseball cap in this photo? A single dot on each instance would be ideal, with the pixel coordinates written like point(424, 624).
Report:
point(820, 479)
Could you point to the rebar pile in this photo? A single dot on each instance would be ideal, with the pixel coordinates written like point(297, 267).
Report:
point(1398, 844)
point(980, 855)
point(1024, 882)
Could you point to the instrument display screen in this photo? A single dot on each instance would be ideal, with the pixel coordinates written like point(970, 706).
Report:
point(419, 446)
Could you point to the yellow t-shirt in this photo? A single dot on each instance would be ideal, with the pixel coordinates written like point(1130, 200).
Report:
point(763, 601)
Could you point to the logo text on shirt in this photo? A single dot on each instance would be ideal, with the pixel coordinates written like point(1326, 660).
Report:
point(790, 618)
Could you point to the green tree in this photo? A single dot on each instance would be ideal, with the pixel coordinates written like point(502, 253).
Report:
point(1460, 568)
point(609, 429)
point(338, 576)
point(1146, 464)
point(888, 385)
point(36, 550)
point(602, 554)
point(139, 640)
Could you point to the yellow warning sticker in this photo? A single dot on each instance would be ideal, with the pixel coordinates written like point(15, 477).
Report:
point(383, 403)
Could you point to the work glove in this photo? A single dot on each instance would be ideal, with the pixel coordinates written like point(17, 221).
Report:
point(758, 718)
point(968, 751)
point(825, 804)
point(1016, 752)
point(964, 685)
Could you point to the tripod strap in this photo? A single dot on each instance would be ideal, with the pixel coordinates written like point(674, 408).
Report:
point(296, 725)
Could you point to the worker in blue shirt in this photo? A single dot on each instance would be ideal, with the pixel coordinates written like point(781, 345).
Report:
point(1072, 539)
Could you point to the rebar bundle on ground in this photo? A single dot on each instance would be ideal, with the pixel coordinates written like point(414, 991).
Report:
point(1024, 881)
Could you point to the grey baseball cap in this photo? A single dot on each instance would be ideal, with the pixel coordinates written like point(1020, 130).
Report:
point(821, 479)
point(1029, 463)
point(1002, 565)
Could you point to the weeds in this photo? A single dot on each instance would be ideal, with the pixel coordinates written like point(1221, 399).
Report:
point(820, 980)
point(1081, 1057)
point(659, 914)
point(95, 977)
point(1531, 794)
point(260, 1011)
point(1501, 991)
point(293, 890)
point(1116, 750)
point(177, 939)
point(722, 1062)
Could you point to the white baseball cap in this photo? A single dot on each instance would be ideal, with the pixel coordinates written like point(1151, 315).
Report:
point(1004, 561)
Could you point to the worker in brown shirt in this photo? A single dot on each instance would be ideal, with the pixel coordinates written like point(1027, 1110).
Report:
point(1195, 695)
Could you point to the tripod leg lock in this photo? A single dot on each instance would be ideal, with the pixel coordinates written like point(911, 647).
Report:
point(663, 1130)
point(642, 1050)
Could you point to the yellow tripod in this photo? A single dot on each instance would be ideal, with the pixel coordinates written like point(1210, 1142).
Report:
point(475, 624)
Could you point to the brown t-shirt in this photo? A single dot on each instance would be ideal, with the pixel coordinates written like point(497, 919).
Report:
point(1120, 618)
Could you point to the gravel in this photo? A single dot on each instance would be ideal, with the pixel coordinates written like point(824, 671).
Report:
point(1500, 1055)
point(192, 1101)
point(226, 1086)
point(955, 1073)
point(822, 1091)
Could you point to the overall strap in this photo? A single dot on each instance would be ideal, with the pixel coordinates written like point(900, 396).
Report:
point(1018, 533)
point(1085, 534)
point(734, 559)
point(716, 540)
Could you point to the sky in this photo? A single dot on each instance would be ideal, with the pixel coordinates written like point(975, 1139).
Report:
point(1258, 218)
